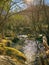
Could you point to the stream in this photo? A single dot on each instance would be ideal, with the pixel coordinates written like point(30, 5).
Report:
point(32, 50)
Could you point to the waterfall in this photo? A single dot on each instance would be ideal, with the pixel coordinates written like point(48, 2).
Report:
point(30, 49)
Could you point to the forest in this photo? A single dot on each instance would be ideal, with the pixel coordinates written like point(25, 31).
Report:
point(24, 32)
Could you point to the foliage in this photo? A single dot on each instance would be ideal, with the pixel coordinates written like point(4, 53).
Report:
point(24, 23)
point(13, 20)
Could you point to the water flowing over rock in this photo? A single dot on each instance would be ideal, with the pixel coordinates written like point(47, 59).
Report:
point(30, 49)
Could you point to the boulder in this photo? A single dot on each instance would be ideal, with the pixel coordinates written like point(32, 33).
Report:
point(5, 60)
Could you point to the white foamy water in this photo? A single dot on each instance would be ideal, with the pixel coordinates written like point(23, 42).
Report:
point(30, 50)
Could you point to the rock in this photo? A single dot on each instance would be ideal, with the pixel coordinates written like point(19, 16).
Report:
point(5, 60)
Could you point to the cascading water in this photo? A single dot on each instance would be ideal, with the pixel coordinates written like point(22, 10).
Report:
point(34, 52)
point(30, 49)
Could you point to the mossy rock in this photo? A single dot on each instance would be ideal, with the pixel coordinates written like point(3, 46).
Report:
point(13, 53)
point(5, 42)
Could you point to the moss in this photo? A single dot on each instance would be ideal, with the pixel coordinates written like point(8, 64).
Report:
point(5, 42)
point(12, 53)
point(15, 51)
point(8, 52)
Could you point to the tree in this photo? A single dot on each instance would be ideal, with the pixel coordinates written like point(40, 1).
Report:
point(7, 9)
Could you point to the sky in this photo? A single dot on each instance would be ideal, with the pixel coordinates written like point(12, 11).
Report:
point(21, 5)
point(47, 1)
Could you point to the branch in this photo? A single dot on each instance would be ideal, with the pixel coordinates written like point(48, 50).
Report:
point(6, 16)
point(2, 7)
